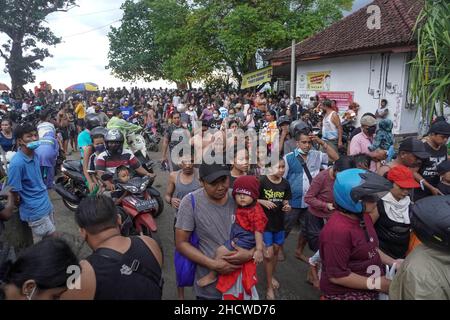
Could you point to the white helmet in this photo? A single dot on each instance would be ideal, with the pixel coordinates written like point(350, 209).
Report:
point(181, 108)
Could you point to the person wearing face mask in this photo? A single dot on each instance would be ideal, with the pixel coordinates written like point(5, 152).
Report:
point(216, 121)
point(362, 141)
point(91, 153)
point(193, 116)
point(29, 190)
point(302, 166)
point(40, 272)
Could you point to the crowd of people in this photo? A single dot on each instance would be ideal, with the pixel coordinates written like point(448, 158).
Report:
point(359, 201)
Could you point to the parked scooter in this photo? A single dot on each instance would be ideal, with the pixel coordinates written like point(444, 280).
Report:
point(71, 185)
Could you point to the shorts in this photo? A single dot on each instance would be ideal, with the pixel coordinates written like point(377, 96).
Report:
point(242, 238)
point(64, 133)
point(296, 216)
point(43, 227)
point(72, 131)
point(271, 238)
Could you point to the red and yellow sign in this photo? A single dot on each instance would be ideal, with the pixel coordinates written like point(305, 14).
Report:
point(318, 81)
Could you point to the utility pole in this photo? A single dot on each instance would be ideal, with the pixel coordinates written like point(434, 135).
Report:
point(293, 72)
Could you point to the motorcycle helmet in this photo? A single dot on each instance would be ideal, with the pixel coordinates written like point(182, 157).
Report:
point(100, 99)
point(283, 120)
point(354, 186)
point(297, 126)
point(430, 220)
point(114, 141)
point(99, 131)
point(92, 121)
point(181, 108)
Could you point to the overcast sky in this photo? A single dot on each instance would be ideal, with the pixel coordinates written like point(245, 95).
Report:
point(83, 53)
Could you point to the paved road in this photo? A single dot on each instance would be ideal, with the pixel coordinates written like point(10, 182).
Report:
point(291, 273)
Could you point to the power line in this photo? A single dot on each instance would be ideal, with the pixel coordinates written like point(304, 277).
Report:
point(97, 12)
point(88, 31)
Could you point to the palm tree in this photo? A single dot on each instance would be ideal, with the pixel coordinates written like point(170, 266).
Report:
point(430, 68)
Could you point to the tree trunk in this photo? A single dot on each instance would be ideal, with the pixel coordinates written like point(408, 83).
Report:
point(16, 69)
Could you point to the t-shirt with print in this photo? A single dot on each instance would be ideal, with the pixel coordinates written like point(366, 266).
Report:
point(344, 249)
point(212, 224)
point(429, 169)
point(108, 163)
point(275, 193)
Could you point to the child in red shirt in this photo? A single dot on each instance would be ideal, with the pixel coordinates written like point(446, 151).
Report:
point(248, 228)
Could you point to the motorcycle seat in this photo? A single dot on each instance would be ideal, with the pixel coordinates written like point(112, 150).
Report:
point(73, 165)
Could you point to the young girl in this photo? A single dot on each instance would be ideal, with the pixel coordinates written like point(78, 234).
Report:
point(275, 193)
point(247, 231)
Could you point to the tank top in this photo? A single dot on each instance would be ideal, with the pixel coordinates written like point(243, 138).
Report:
point(182, 190)
point(134, 275)
point(329, 130)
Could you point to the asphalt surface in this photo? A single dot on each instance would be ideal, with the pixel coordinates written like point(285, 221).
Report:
point(291, 273)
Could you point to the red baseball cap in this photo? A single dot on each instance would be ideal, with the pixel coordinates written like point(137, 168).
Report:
point(403, 177)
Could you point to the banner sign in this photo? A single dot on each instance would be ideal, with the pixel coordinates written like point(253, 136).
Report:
point(343, 98)
point(318, 81)
point(256, 78)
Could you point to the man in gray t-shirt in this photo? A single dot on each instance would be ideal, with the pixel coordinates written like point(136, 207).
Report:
point(211, 219)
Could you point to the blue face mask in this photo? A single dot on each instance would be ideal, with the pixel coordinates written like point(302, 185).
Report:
point(100, 148)
point(300, 151)
point(34, 145)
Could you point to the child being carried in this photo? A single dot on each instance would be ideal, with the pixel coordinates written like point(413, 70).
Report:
point(248, 228)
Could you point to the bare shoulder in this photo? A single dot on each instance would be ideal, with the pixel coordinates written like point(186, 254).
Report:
point(154, 248)
point(87, 284)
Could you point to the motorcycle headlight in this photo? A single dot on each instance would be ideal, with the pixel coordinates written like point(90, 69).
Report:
point(132, 189)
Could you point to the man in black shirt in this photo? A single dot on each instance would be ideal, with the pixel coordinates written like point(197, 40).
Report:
point(436, 145)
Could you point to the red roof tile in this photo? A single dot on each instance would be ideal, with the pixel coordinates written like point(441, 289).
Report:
point(351, 34)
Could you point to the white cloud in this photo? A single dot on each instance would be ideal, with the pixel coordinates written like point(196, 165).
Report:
point(83, 54)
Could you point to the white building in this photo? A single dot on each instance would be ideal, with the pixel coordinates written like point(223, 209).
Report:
point(354, 60)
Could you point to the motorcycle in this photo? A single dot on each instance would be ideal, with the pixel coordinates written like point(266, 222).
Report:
point(138, 207)
point(71, 186)
point(152, 140)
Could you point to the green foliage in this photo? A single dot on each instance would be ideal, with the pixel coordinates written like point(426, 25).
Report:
point(430, 69)
point(195, 38)
point(23, 22)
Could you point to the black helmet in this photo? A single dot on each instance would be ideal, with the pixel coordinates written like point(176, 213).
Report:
point(99, 131)
point(430, 220)
point(283, 120)
point(114, 141)
point(92, 121)
point(296, 126)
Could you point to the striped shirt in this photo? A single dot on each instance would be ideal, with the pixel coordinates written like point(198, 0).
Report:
point(107, 163)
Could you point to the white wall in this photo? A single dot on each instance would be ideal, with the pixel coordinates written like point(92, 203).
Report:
point(361, 74)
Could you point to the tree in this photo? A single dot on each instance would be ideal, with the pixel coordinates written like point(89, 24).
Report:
point(430, 71)
point(23, 22)
point(132, 51)
point(194, 38)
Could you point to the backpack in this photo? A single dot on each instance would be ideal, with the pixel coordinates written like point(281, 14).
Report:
point(185, 268)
